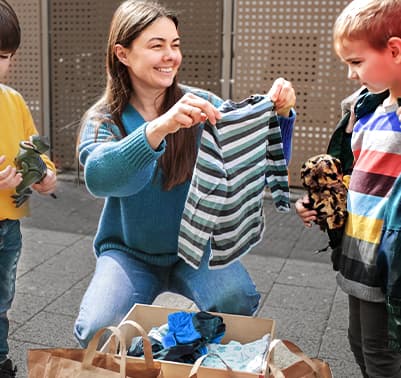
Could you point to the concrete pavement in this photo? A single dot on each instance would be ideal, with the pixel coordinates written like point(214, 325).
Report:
point(298, 287)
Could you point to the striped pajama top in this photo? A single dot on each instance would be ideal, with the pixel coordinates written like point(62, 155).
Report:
point(236, 159)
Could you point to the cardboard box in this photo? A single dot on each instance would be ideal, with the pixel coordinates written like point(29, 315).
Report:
point(244, 329)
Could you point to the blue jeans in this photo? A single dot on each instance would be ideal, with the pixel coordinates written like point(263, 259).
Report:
point(120, 281)
point(10, 251)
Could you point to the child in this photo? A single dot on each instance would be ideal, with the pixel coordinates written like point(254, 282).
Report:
point(16, 126)
point(367, 38)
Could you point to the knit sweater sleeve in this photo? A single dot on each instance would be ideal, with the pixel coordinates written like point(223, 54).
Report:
point(114, 166)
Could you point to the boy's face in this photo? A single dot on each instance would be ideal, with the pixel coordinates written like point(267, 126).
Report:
point(374, 69)
point(5, 60)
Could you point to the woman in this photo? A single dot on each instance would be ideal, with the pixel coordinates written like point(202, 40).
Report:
point(138, 145)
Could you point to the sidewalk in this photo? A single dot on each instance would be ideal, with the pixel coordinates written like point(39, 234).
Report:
point(298, 287)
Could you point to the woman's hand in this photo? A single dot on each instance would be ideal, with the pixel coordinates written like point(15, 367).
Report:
point(187, 112)
point(307, 216)
point(9, 178)
point(283, 95)
point(48, 183)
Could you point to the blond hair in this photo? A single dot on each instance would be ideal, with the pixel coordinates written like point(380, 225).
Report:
point(373, 21)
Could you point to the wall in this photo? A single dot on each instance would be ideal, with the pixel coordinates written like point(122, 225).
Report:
point(248, 43)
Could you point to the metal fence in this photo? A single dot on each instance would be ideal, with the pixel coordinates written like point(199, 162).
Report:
point(232, 47)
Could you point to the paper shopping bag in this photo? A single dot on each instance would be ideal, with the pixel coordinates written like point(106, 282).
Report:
point(89, 363)
point(288, 361)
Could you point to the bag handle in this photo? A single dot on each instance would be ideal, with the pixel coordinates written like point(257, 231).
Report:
point(198, 363)
point(147, 347)
point(293, 348)
point(92, 346)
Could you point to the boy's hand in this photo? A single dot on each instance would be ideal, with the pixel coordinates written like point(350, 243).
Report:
point(307, 216)
point(48, 184)
point(9, 178)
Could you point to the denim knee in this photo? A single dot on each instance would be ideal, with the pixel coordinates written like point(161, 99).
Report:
point(82, 333)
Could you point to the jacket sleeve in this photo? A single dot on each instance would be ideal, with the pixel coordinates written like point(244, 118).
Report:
point(389, 264)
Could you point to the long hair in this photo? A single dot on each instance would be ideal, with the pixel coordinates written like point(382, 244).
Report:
point(10, 31)
point(130, 19)
point(373, 21)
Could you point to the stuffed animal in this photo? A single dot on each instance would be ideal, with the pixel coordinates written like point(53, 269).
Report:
point(322, 177)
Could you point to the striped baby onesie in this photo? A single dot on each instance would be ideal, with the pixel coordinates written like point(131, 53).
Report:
point(236, 159)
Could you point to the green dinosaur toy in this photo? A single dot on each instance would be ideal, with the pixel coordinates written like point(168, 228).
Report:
point(31, 165)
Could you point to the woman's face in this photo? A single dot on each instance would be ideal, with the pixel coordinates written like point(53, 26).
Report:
point(154, 57)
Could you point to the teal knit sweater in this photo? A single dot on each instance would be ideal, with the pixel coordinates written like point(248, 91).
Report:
point(138, 216)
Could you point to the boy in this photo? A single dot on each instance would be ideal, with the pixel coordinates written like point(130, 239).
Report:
point(367, 38)
point(16, 125)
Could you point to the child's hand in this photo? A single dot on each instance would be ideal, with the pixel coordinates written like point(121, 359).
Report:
point(307, 216)
point(9, 178)
point(48, 184)
point(399, 113)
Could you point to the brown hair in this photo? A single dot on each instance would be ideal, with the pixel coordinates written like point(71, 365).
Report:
point(10, 31)
point(130, 19)
point(373, 21)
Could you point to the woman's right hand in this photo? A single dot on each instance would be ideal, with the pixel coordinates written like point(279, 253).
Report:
point(187, 112)
point(9, 178)
point(308, 216)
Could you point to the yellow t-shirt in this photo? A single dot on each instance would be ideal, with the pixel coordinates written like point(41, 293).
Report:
point(16, 125)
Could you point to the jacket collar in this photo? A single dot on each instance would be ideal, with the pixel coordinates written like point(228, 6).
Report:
point(368, 102)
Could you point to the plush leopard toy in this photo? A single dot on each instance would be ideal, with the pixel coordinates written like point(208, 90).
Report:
point(322, 177)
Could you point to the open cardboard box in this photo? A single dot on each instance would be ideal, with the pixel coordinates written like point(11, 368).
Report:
point(244, 329)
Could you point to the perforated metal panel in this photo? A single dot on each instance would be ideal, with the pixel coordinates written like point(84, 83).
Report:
point(289, 38)
point(200, 31)
point(78, 40)
point(26, 69)
point(292, 39)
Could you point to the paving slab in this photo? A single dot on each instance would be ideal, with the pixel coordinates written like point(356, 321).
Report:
point(297, 286)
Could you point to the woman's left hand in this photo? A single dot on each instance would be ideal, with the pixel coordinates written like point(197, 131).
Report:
point(282, 94)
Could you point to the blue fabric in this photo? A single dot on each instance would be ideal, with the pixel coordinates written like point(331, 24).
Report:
point(10, 251)
point(180, 329)
point(120, 281)
point(186, 328)
point(286, 127)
